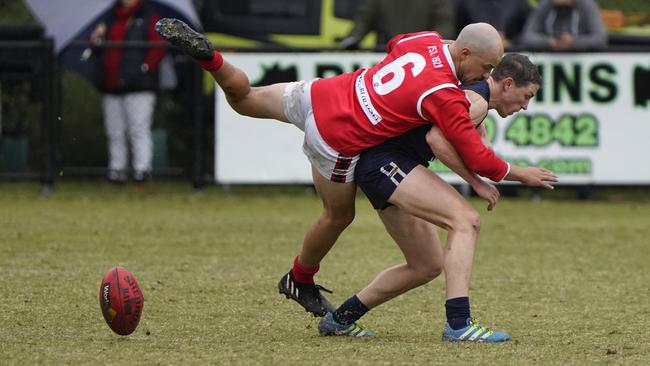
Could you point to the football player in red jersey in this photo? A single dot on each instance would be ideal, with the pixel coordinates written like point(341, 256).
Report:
point(415, 84)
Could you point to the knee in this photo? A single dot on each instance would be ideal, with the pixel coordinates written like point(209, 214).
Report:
point(428, 273)
point(237, 105)
point(434, 272)
point(339, 219)
point(468, 221)
point(242, 99)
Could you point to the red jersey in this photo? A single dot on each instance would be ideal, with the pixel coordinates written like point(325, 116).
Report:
point(415, 84)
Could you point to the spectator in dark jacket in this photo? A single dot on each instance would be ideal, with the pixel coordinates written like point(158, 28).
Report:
point(391, 17)
point(565, 25)
point(507, 16)
point(129, 79)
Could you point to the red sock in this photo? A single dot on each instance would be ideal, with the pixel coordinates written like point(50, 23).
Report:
point(214, 64)
point(303, 274)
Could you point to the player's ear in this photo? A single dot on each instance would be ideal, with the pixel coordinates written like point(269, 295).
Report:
point(465, 53)
point(508, 83)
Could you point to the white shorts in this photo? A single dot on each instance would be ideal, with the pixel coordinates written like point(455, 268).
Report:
point(296, 105)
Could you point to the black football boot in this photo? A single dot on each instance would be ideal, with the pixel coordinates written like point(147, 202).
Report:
point(307, 295)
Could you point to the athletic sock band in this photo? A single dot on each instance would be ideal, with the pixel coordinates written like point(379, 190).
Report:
point(350, 311)
point(457, 312)
point(214, 64)
point(303, 274)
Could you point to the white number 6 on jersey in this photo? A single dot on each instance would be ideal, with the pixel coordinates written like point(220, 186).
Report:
point(397, 69)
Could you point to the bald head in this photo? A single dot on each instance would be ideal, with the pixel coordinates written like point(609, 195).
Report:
point(476, 51)
point(481, 38)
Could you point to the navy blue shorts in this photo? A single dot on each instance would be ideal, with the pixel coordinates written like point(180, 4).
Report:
point(378, 173)
point(382, 168)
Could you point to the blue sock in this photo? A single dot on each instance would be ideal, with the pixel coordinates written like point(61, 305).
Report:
point(350, 311)
point(457, 312)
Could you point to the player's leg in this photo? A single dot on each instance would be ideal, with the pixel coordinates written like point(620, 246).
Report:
point(332, 174)
point(258, 102)
point(338, 213)
point(418, 240)
point(424, 194)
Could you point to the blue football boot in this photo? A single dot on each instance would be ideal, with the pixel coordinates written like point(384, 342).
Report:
point(473, 332)
point(329, 327)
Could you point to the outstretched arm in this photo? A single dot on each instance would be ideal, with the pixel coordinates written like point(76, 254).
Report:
point(444, 152)
point(530, 176)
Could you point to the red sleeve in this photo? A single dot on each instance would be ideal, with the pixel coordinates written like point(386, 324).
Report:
point(154, 54)
point(448, 109)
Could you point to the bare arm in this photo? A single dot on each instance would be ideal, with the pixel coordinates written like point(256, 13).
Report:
point(445, 152)
point(478, 111)
point(484, 137)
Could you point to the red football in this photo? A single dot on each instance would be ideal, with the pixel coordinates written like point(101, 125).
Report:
point(121, 300)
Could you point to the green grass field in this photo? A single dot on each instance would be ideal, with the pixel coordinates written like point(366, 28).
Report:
point(568, 279)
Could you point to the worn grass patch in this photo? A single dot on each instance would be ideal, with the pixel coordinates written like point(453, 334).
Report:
point(567, 279)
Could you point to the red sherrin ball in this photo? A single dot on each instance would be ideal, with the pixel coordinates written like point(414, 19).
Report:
point(121, 300)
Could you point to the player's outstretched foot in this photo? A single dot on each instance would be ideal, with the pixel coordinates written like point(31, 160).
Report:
point(187, 39)
point(473, 332)
point(307, 295)
point(329, 327)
